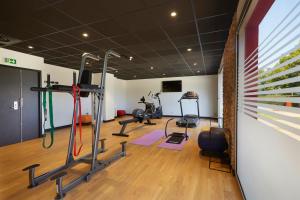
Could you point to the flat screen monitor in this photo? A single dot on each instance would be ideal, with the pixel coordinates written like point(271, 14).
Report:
point(172, 86)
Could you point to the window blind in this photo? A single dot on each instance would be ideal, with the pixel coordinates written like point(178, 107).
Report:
point(269, 79)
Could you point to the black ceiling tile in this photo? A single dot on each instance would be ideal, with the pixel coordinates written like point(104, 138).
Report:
point(54, 18)
point(115, 8)
point(122, 51)
point(12, 29)
point(134, 29)
point(105, 44)
point(182, 7)
point(15, 48)
point(167, 52)
point(140, 48)
point(49, 44)
point(35, 47)
point(215, 7)
point(139, 61)
point(215, 23)
point(86, 12)
point(213, 46)
point(38, 48)
point(54, 53)
point(148, 54)
point(30, 28)
point(13, 9)
point(195, 50)
point(23, 46)
point(181, 30)
point(186, 41)
point(126, 40)
point(109, 28)
point(69, 50)
point(78, 31)
point(58, 60)
point(84, 47)
point(214, 36)
point(152, 35)
point(137, 21)
point(42, 54)
point(161, 45)
point(63, 39)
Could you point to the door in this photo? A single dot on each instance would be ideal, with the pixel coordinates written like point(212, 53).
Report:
point(30, 105)
point(10, 120)
point(19, 106)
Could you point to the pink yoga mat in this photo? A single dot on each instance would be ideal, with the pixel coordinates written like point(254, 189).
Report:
point(149, 138)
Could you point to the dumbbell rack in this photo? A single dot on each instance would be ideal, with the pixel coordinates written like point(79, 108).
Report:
point(91, 158)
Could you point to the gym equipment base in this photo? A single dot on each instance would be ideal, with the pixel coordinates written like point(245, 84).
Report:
point(58, 173)
point(124, 124)
point(176, 138)
point(224, 160)
point(190, 122)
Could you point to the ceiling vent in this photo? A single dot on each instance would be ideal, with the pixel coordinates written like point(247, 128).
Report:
point(6, 40)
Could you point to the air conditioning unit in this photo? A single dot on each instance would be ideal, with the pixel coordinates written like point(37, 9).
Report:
point(7, 40)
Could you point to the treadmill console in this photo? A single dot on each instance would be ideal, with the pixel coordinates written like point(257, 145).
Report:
point(190, 95)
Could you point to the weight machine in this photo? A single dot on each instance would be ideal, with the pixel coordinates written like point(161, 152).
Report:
point(95, 165)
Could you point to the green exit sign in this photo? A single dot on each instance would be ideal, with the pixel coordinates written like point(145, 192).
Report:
point(10, 61)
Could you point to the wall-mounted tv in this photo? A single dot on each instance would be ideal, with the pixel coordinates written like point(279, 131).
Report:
point(171, 86)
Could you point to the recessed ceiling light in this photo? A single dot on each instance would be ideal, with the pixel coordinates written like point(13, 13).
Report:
point(195, 64)
point(134, 76)
point(163, 74)
point(85, 35)
point(30, 47)
point(87, 63)
point(151, 67)
point(130, 58)
point(116, 71)
point(198, 71)
point(173, 14)
point(189, 49)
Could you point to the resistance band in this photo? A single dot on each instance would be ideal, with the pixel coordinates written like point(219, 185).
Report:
point(76, 91)
point(51, 119)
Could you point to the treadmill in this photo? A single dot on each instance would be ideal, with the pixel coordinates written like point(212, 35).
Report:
point(189, 120)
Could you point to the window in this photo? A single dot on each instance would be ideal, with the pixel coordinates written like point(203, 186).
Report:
point(271, 70)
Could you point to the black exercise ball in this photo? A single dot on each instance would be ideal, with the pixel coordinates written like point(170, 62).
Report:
point(212, 141)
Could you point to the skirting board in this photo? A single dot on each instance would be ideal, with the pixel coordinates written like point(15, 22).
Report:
point(177, 116)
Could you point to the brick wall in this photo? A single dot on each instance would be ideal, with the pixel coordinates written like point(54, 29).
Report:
point(229, 90)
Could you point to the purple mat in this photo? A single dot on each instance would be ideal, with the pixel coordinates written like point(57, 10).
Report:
point(149, 139)
point(177, 147)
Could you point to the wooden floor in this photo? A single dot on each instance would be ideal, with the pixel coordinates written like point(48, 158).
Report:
point(146, 172)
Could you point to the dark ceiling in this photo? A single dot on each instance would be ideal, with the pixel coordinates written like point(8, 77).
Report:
point(142, 29)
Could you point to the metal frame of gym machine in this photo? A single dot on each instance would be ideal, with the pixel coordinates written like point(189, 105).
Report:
point(91, 158)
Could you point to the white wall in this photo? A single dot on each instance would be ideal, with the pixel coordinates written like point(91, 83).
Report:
point(115, 95)
point(120, 94)
point(205, 86)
